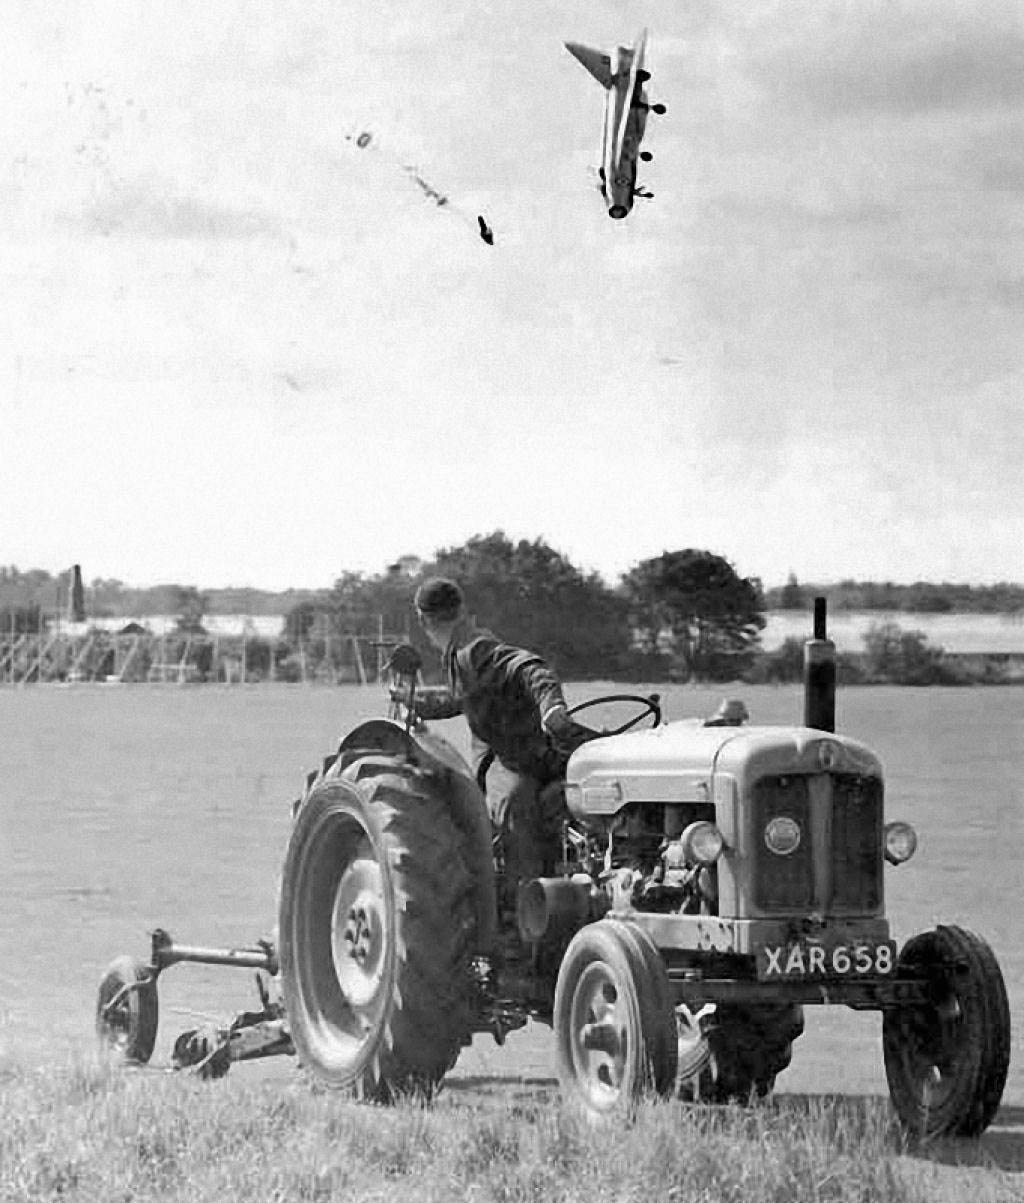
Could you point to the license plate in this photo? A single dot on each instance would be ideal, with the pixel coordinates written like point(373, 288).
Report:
point(807, 959)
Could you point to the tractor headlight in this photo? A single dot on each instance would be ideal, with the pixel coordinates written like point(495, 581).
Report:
point(702, 843)
point(900, 842)
point(782, 835)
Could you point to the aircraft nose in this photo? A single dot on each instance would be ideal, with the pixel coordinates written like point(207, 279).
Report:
point(618, 211)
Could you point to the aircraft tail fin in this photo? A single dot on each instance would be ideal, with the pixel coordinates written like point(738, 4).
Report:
point(640, 47)
point(596, 62)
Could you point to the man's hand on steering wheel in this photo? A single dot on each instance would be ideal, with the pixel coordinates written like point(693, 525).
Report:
point(564, 732)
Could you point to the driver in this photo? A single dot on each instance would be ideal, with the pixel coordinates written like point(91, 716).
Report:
point(513, 703)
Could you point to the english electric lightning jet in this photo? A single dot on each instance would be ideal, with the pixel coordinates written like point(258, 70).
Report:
point(625, 118)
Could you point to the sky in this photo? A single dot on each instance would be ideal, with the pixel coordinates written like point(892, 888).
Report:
point(239, 348)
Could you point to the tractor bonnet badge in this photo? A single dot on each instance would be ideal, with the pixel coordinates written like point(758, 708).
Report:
point(828, 755)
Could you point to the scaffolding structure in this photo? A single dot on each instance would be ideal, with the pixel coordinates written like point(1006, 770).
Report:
point(61, 656)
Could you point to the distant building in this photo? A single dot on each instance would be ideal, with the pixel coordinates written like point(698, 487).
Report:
point(262, 626)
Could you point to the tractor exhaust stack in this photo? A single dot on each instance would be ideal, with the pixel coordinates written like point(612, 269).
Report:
point(820, 674)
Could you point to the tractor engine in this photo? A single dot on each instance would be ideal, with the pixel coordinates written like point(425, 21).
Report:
point(642, 834)
point(740, 823)
point(651, 856)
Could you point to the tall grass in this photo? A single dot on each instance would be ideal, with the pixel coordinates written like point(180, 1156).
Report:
point(89, 1131)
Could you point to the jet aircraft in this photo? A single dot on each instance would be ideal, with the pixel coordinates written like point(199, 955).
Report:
point(625, 118)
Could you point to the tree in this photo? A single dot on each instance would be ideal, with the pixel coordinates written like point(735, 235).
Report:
point(715, 616)
point(534, 596)
point(903, 657)
point(189, 606)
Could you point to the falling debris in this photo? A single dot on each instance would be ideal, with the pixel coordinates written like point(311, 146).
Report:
point(428, 190)
point(368, 140)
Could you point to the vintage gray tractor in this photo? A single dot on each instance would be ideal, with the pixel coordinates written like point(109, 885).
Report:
point(711, 879)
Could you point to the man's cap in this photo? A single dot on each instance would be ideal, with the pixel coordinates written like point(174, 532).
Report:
point(439, 597)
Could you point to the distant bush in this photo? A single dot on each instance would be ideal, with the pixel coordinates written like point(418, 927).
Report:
point(781, 666)
point(898, 657)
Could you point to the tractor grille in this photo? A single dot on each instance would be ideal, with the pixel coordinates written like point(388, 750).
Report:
point(848, 840)
point(856, 843)
point(783, 883)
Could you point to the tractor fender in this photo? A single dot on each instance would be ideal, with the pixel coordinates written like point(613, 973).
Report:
point(454, 781)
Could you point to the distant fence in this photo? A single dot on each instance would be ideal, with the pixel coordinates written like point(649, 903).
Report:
point(61, 657)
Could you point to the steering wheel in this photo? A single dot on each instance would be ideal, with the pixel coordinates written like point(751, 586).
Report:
point(649, 706)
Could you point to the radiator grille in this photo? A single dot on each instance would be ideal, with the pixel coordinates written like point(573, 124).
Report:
point(783, 883)
point(853, 832)
point(856, 843)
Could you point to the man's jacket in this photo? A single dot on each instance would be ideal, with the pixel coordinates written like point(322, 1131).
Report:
point(503, 692)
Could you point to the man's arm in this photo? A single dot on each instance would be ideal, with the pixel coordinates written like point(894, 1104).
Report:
point(546, 689)
point(494, 663)
point(430, 701)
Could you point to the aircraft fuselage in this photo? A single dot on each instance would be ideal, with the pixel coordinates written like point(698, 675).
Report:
point(622, 75)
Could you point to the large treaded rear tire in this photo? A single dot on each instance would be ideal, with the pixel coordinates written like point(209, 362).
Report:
point(946, 1060)
point(375, 927)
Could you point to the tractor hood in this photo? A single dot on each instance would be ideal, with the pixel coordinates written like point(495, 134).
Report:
point(679, 762)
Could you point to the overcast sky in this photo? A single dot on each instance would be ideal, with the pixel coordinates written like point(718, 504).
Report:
point(237, 348)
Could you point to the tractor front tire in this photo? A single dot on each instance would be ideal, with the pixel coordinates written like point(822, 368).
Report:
point(946, 1059)
point(376, 928)
point(615, 1028)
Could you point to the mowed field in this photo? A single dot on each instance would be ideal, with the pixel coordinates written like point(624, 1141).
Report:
point(123, 808)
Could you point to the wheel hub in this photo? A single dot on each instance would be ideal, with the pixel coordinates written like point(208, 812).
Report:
point(598, 1036)
point(934, 1048)
point(359, 932)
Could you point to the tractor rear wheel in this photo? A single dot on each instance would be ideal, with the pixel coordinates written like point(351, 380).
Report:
point(946, 1059)
point(614, 1023)
point(127, 1010)
point(375, 927)
point(749, 1045)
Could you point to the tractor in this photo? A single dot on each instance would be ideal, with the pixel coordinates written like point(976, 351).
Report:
point(711, 879)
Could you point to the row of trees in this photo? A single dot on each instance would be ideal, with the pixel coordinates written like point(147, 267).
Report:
point(684, 614)
point(891, 656)
point(921, 597)
point(688, 611)
point(38, 590)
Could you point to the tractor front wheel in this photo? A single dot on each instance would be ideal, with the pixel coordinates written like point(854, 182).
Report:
point(946, 1058)
point(614, 1023)
point(375, 928)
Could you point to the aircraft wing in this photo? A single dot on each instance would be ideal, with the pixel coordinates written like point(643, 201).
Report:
point(631, 95)
point(597, 63)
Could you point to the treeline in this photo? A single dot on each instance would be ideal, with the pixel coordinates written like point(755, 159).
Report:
point(684, 615)
point(39, 591)
point(892, 655)
point(922, 597)
point(44, 593)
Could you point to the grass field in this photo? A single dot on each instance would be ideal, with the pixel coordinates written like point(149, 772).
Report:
point(126, 808)
point(83, 1132)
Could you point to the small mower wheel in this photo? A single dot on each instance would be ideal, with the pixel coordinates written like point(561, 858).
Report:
point(127, 1012)
point(614, 1024)
point(946, 1059)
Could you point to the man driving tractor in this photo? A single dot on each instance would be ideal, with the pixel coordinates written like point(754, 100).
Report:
point(517, 715)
